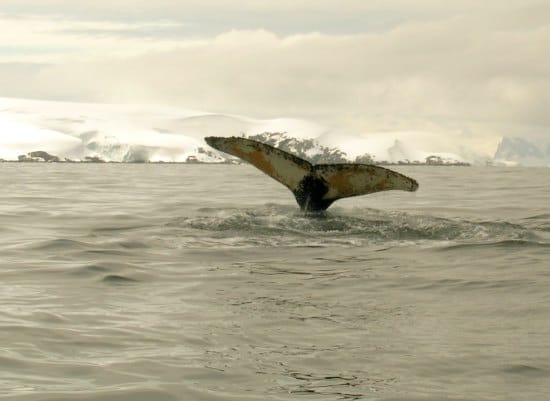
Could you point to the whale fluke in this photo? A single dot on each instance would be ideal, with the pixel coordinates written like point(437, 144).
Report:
point(315, 187)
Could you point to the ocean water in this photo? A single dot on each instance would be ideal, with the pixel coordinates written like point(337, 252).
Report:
point(206, 282)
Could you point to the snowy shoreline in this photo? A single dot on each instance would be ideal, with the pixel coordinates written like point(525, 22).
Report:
point(88, 132)
point(45, 157)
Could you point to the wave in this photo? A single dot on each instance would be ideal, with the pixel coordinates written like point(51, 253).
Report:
point(508, 244)
point(276, 225)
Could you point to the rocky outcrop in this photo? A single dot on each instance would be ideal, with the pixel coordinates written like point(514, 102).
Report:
point(435, 160)
point(38, 156)
point(308, 149)
point(93, 159)
point(44, 156)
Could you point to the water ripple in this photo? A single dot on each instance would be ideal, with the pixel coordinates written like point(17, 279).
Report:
point(280, 226)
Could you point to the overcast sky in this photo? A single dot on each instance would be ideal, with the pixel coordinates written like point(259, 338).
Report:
point(478, 68)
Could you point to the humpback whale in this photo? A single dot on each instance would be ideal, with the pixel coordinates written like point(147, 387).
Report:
point(315, 187)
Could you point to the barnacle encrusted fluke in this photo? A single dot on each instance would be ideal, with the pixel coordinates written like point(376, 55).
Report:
point(315, 187)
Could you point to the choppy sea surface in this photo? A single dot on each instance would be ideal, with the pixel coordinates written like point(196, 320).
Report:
point(206, 282)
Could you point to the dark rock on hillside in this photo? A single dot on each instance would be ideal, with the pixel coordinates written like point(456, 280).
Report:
point(93, 159)
point(308, 149)
point(26, 158)
point(44, 156)
point(38, 156)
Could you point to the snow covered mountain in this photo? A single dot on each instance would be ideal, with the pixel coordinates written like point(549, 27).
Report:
point(122, 133)
point(520, 151)
point(308, 149)
point(144, 133)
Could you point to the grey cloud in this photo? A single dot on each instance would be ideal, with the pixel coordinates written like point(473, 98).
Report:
point(150, 31)
point(425, 70)
point(212, 17)
point(478, 73)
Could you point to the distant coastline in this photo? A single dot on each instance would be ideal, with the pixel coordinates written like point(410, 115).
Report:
point(41, 156)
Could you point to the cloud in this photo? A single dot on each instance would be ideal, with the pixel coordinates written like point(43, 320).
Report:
point(55, 40)
point(284, 17)
point(438, 69)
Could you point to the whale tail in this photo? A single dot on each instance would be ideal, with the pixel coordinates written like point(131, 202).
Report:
point(315, 187)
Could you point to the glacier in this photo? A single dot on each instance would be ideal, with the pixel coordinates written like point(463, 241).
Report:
point(155, 133)
point(126, 133)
